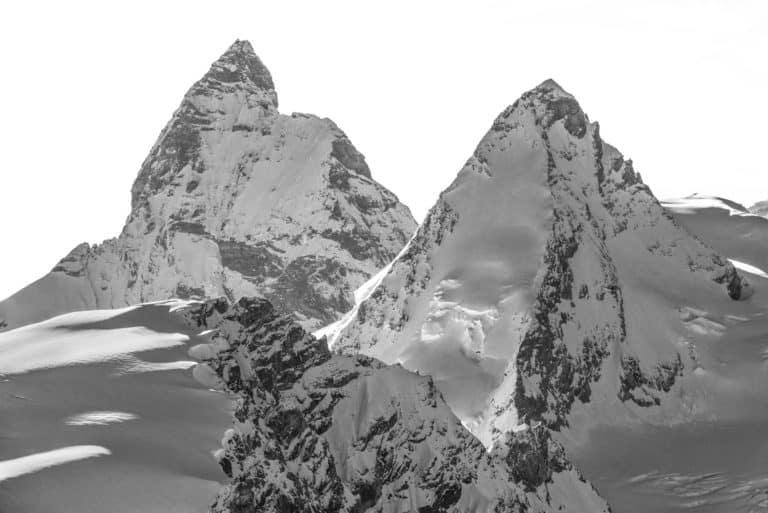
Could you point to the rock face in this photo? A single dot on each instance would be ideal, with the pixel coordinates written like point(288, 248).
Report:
point(236, 199)
point(547, 276)
point(318, 432)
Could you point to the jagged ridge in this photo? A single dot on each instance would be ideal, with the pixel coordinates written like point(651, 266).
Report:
point(522, 285)
point(320, 432)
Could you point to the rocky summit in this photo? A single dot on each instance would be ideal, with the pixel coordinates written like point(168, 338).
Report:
point(547, 278)
point(319, 432)
point(236, 199)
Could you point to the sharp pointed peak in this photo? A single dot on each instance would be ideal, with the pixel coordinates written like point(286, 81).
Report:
point(552, 103)
point(241, 46)
point(550, 85)
point(239, 63)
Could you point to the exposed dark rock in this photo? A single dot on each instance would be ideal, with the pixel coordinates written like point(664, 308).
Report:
point(74, 263)
point(641, 388)
point(187, 292)
point(286, 451)
point(348, 155)
point(300, 286)
point(238, 64)
point(257, 261)
point(569, 110)
point(533, 456)
point(189, 227)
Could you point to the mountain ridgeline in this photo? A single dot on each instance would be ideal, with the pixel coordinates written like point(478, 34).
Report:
point(236, 199)
point(546, 278)
point(547, 288)
point(321, 432)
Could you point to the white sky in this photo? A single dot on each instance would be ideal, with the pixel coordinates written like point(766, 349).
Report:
point(679, 86)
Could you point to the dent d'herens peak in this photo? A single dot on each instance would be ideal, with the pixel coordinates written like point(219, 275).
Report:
point(547, 281)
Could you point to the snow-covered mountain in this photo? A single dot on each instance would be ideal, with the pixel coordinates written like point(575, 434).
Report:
point(314, 431)
point(236, 199)
point(546, 282)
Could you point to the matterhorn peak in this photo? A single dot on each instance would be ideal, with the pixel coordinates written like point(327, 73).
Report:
point(240, 64)
point(236, 199)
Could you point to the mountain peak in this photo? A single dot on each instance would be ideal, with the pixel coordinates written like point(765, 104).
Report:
point(241, 64)
point(550, 103)
point(550, 84)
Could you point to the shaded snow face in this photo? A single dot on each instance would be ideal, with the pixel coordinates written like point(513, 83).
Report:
point(542, 280)
point(76, 339)
point(236, 199)
point(97, 414)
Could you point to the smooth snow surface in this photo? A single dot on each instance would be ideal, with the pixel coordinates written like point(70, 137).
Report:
point(35, 462)
point(76, 338)
point(712, 458)
point(160, 426)
point(697, 202)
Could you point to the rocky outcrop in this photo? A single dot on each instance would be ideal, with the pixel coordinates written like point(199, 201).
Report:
point(533, 286)
point(233, 199)
point(314, 431)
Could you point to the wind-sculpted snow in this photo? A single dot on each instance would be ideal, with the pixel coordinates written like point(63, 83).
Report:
point(77, 338)
point(547, 276)
point(36, 462)
point(727, 226)
point(314, 431)
point(235, 198)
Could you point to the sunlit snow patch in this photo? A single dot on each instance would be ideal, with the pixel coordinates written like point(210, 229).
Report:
point(333, 330)
point(99, 418)
point(68, 340)
point(748, 268)
point(36, 462)
point(695, 202)
point(134, 365)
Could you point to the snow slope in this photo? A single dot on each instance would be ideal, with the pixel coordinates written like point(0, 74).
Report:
point(97, 414)
point(314, 431)
point(725, 225)
point(760, 208)
point(234, 199)
point(713, 462)
point(546, 282)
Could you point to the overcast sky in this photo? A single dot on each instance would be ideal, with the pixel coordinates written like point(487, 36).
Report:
point(679, 86)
